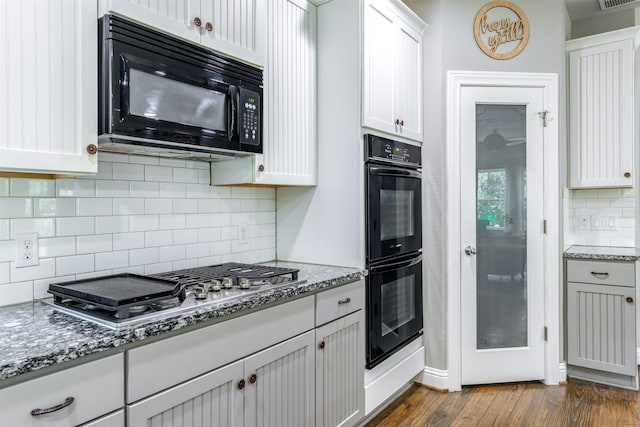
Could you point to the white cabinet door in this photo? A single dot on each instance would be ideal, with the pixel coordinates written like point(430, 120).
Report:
point(379, 67)
point(115, 419)
point(213, 399)
point(601, 114)
point(48, 96)
point(289, 103)
point(172, 16)
point(233, 27)
point(236, 29)
point(392, 72)
point(282, 391)
point(340, 371)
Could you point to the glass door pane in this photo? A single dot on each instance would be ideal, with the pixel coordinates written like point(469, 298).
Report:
point(501, 226)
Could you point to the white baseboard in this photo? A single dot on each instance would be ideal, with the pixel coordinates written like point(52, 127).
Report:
point(638, 355)
point(434, 378)
point(562, 372)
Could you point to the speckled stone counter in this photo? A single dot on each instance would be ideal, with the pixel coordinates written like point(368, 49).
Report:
point(610, 253)
point(34, 336)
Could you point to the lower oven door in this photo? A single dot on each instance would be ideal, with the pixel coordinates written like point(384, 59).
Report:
point(394, 306)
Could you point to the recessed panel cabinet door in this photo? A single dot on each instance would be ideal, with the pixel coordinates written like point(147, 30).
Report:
point(409, 83)
point(48, 86)
point(280, 382)
point(601, 109)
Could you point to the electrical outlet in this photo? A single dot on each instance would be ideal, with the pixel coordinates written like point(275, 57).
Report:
point(27, 249)
point(243, 239)
point(584, 222)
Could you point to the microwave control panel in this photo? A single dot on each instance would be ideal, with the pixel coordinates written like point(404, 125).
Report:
point(379, 148)
point(249, 119)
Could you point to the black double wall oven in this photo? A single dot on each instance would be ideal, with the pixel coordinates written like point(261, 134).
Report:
point(394, 246)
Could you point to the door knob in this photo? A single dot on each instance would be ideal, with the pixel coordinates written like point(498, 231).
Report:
point(470, 250)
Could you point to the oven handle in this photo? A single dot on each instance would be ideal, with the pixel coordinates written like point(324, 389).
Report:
point(396, 265)
point(386, 170)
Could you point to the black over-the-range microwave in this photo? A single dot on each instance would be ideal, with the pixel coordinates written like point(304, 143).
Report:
point(161, 94)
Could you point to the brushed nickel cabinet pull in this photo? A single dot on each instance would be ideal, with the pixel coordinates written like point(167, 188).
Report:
point(598, 273)
point(344, 301)
point(37, 412)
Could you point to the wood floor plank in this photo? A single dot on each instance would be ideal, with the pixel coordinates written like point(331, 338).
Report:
point(578, 403)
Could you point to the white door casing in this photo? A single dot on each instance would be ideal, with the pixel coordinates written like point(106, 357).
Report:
point(548, 83)
point(502, 361)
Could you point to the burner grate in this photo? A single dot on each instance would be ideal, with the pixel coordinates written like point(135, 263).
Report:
point(192, 276)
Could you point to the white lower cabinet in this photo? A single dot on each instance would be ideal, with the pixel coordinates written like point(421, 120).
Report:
point(67, 398)
point(340, 371)
point(112, 420)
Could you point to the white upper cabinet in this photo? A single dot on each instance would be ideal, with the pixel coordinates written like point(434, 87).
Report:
point(229, 26)
point(289, 103)
point(48, 94)
point(601, 109)
point(392, 70)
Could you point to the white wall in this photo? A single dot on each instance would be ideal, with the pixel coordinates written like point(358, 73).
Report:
point(603, 22)
point(449, 45)
point(138, 214)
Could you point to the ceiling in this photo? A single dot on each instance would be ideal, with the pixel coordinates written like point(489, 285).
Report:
point(579, 9)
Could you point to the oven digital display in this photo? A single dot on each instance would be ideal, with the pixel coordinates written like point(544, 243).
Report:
point(396, 213)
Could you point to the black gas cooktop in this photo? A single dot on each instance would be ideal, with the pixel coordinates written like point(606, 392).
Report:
point(126, 299)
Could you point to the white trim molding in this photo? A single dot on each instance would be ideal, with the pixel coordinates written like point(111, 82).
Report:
point(434, 378)
point(456, 80)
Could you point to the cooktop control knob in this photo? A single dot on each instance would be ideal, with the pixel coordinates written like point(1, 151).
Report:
point(215, 285)
point(245, 283)
point(227, 283)
point(201, 290)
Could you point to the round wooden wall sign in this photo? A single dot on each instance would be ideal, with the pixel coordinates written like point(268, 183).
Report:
point(501, 29)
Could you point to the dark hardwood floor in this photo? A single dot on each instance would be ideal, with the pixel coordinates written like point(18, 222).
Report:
point(578, 403)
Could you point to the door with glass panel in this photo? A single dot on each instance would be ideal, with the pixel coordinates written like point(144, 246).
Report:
point(502, 312)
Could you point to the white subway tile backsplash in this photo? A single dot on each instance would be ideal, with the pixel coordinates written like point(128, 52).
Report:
point(45, 227)
point(46, 268)
point(111, 260)
point(57, 246)
point(4, 229)
point(144, 189)
point(94, 244)
point(94, 207)
point(182, 237)
point(78, 226)
point(133, 201)
point(75, 188)
point(158, 238)
point(609, 193)
point(623, 203)
point(185, 206)
point(144, 222)
point(112, 224)
point(158, 206)
point(158, 173)
point(128, 206)
point(15, 293)
point(112, 188)
point(172, 190)
point(128, 172)
point(4, 187)
point(54, 207)
point(584, 194)
point(75, 264)
point(16, 208)
point(143, 256)
point(172, 253)
point(128, 241)
point(629, 212)
point(26, 187)
point(172, 221)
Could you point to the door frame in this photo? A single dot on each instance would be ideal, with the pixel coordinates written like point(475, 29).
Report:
point(548, 82)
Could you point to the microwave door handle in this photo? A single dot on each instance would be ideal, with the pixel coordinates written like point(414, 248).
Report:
point(234, 96)
point(396, 265)
point(384, 170)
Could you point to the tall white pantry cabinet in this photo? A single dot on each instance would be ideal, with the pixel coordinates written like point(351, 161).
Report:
point(48, 86)
point(602, 106)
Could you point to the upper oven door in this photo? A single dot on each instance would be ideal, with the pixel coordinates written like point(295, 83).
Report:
point(158, 98)
point(394, 203)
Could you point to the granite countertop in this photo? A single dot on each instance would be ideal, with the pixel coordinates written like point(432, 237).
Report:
point(34, 336)
point(611, 253)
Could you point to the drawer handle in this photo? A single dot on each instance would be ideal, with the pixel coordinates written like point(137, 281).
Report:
point(344, 301)
point(68, 401)
point(602, 274)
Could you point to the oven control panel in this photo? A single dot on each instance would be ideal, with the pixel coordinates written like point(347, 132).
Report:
point(379, 148)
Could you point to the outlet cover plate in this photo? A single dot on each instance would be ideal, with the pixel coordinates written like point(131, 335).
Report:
point(27, 250)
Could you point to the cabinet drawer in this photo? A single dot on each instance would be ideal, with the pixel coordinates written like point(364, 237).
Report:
point(97, 388)
point(601, 272)
point(339, 302)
